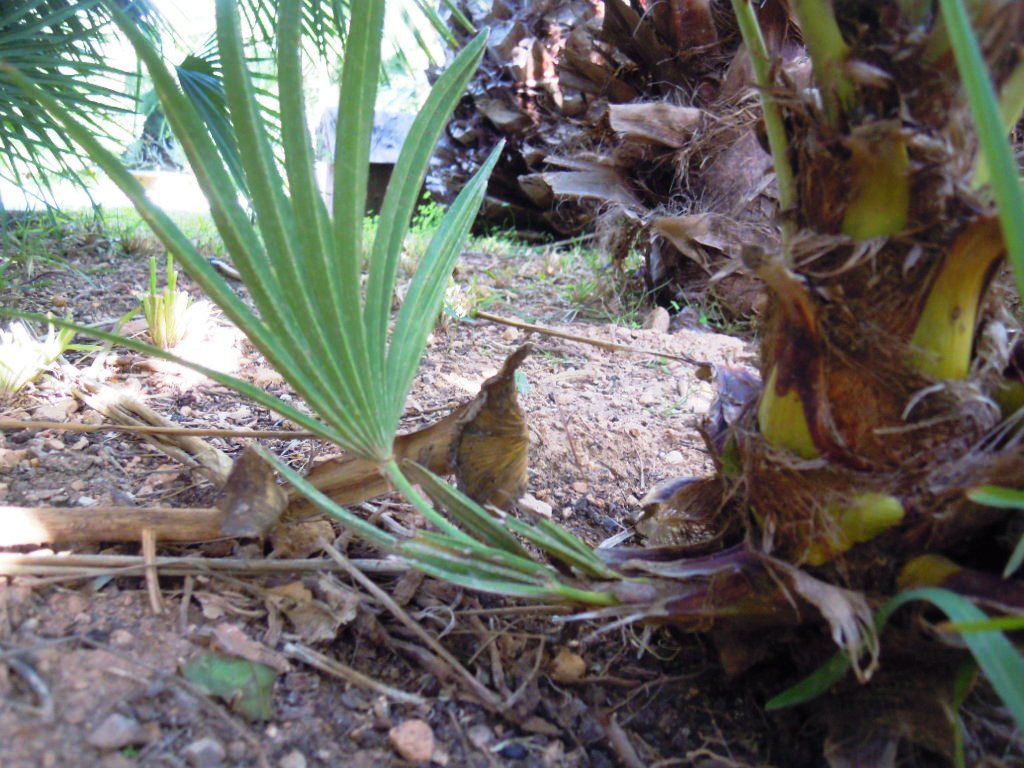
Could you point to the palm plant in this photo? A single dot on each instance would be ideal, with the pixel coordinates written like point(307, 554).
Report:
point(844, 490)
point(59, 44)
point(303, 264)
point(843, 482)
point(62, 45)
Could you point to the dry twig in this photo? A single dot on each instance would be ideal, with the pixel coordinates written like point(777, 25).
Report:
point(610, 345)
point(344, 672)
point(485, 695)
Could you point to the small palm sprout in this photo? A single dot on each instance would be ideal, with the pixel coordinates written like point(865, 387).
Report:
point(23, 357)
point(171, 315)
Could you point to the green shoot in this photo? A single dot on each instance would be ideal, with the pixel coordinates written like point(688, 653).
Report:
point(751, 31)
point(171, 314)
point(995, 147)
point(1004, 498)
point(828, 53)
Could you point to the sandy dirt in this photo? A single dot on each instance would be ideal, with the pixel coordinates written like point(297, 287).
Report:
point(89, 674)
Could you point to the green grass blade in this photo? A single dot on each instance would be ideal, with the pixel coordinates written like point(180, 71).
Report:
point(997, 496)
point(1004, 498)
point(485, 560)
point(466, 512)
point(404, 189)
point(775, 129)
point(439, 25)
point(425, 296)
point(997, 624)
point(557, 549)
point(995, 147)
point(439, 521)
point(466, 572)
point(994, 653)
point(1016, 558)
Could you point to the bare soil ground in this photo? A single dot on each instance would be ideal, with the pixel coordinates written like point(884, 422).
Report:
point(89, 674)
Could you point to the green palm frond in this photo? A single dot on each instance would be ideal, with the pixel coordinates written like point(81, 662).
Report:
point(59, 44)
point(303, 271)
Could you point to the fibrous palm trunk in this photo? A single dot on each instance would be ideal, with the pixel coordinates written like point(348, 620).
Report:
point(634, 119)
point(889, 352)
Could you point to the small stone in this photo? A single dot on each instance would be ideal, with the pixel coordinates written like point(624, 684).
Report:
point(57, 411)
point(237, 751)
point(580, 487)
point(266, 377)
point(92, 417)
point(532, 504)
point(658, 320)
point(553, 755)
point(293, 759)
point(77, 485)
point(650, 397)
point(673, 457)
point(513, 751)
point(480, 736)
point(85, 501)
point(355, 700)
point(75, 715)
point(119, 731)
point(59, 300)
point(509, 335)
point(567, 667)
point(207, 752)
point(9, 457)
point(413, 740)
point(121, 637)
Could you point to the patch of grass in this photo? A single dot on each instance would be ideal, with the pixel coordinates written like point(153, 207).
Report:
point(713, 316)
point(599, 289)
point(421, 232)
point(29, 239)
point(501, 242)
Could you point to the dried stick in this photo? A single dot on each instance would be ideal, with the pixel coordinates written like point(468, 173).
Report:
point(266, 434)
point(344, 672)
point(39, 525)
point(123, 408)
point(484, 694)
point(93, 565)
point(156, 600)
point(611, 345)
